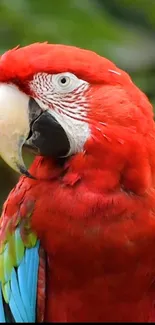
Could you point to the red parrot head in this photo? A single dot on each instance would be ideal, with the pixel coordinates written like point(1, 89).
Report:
point(59, 100)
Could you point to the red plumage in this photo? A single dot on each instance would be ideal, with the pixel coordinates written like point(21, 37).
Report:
point(95, 215)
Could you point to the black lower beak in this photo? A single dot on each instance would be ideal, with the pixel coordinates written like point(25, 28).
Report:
point(47, 137)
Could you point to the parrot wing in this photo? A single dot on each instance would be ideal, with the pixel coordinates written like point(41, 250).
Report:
point(22, 270)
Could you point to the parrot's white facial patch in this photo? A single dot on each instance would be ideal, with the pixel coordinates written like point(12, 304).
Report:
point(64, 95)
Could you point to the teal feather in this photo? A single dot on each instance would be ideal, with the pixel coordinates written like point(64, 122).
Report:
point(24, 289)
point(34, 279)
point(2, 316)
point(17, 296)
point(16, 313)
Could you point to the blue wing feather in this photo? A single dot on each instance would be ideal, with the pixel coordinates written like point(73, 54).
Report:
point(23, 284)
point(15, 310)
point(23, 288)
point(2, 316)
point(16, 295)
point(34, 277)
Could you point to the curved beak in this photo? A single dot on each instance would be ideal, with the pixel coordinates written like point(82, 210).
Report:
point(23, 122)
point(14, 125)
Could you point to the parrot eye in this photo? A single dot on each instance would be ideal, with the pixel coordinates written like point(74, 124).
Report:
point(65, 82)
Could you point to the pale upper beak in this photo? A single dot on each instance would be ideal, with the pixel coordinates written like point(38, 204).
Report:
point(14, 125)
point(24, 122)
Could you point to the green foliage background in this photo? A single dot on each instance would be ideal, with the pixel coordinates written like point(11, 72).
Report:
point(122, 30)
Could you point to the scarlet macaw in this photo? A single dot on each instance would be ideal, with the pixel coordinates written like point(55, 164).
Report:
point(77, 233)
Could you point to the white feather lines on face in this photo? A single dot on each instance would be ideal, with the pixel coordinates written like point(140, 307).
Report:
point(64, 95)
point(63, 92)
